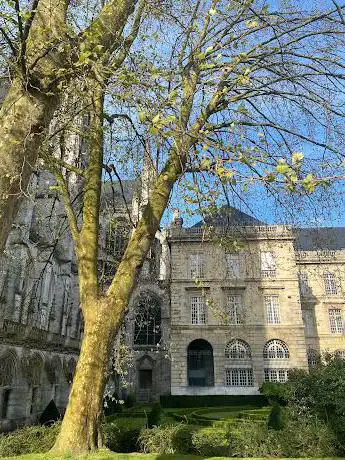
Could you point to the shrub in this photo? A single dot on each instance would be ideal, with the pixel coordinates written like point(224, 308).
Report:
point(299, 438)
point(28, 440)
point(174, 439)
point(130, 401)
point(170, 401)
point(154, 417)
point(211, 442)
point(276, 393)
point(121, 438)
point(275, 420)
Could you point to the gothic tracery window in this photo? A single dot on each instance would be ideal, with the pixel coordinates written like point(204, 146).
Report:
point(147, 329)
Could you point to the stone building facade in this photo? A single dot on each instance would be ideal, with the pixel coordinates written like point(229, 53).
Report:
point(251, 301)
point(218, 309)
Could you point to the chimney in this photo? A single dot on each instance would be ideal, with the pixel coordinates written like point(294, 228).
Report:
point(177, 220)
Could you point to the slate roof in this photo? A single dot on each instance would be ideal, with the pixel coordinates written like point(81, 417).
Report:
point(229, 216)
point(313, 239)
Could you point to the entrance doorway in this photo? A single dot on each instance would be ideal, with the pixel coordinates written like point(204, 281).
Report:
point(200, 364)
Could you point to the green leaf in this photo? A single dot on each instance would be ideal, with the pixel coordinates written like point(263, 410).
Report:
point(297, 157)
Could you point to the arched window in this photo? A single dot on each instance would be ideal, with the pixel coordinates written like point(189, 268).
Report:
point(8, 368)
point(200, 364)
point(276, 349)
point(147, 329)
point(237, 349)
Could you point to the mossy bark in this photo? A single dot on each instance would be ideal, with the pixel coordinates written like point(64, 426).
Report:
point(81, 429)
point(23, 117)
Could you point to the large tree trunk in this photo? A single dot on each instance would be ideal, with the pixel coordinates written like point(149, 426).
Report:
point(81, 428)
point(23, 117)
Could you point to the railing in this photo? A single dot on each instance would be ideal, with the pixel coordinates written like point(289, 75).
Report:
point(268, 273)
point(259, 230)
point(320, 255)
point(26, 333)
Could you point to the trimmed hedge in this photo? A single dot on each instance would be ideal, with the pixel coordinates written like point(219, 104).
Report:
point(169, 401)
point(28, 440)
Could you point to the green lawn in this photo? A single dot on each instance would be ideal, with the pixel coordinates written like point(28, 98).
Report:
point(104, 455)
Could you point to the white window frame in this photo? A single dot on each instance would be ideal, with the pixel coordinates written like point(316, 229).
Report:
point(276, 349)
point(233, 265)
point(330, 282)
point(238, 349)
point(196, 265)
point(276, 375)
point(272, 307)
point(198, 310)
point(235, 309)
point(239, 377)
point(336, 323)
point(268, 264)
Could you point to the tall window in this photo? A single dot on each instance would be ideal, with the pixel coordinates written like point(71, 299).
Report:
point(196, 266)
point(313, 357)
point(242, 377)
point(235, 309)
point(117, 237)
point(336, 320)
point(237, 349)
point(330, 283)
point(147, 329)
point(276, 349)
point(303, 283)
point(268, 264)
point(233, 265)
point(272, 309)
point(35, 398)
point(198, 310)
point(276, 375)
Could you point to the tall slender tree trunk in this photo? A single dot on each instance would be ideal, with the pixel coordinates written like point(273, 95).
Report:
point(81, 428)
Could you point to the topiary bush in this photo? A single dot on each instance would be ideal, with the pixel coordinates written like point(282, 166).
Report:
point(120, 438)
point(130, 401)
point(276, 420)
point(154, 416)
point(28, 440)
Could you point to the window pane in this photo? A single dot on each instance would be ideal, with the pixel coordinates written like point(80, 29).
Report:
point(235, 309)
point(198, 310)
point(272, 309)
point(330, 284)
point(268, 264)
point(233, 265)
point(336, 320)
point(241, 377)
point(196, 266)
